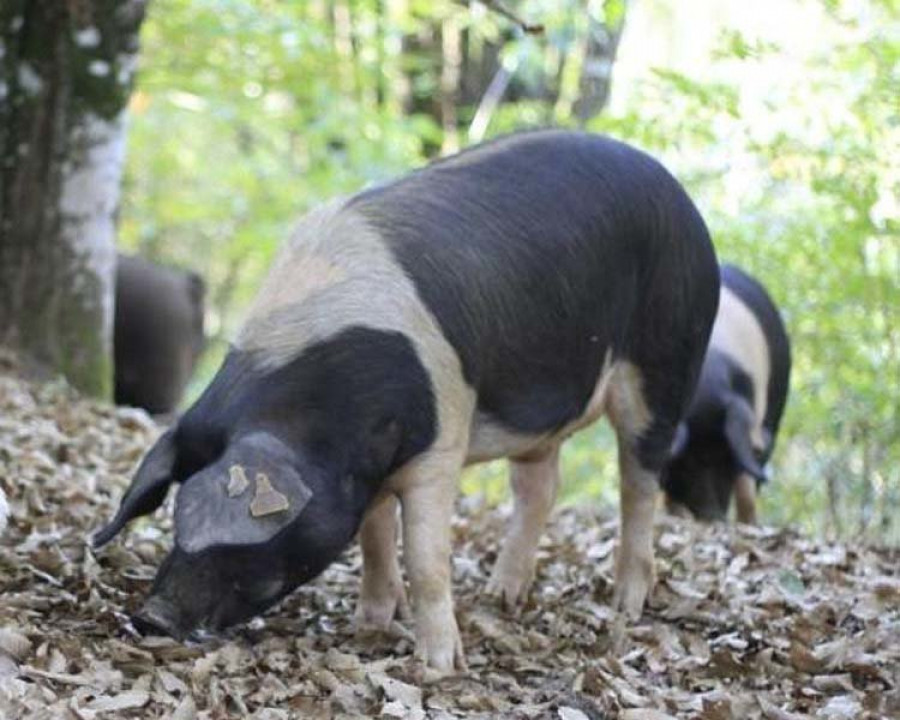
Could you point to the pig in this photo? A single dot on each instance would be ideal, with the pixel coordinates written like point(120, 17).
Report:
point(486, 306)
point(158, 333)
point(722, 446)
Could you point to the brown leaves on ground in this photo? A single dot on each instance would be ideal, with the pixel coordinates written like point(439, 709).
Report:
point(743, 623)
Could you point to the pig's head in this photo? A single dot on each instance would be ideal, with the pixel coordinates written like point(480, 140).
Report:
point(249, 528)
point(706, 460)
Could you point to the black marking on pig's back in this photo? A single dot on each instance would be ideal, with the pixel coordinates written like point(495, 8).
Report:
point(539, 253)
point(754, 296)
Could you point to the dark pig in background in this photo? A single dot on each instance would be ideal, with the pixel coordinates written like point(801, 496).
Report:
point(729, 433)
point(158, 333)
point(486, 306)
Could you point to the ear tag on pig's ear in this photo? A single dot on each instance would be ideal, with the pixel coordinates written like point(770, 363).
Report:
point(267, 500)
point(237, 481)
point(222, 506)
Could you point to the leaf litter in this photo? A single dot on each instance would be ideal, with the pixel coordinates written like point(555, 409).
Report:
point(743, 622)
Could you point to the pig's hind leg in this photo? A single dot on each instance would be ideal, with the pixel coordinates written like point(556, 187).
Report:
point(645, 406)
point(745, 499)
point(635, 574)
point(638, 488)
point(534, 484)
point(382, 597)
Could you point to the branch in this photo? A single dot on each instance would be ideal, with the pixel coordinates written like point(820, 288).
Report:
point(500, 8)
point(491, 99)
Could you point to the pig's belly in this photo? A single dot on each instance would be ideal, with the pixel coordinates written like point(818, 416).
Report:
point(491, 438)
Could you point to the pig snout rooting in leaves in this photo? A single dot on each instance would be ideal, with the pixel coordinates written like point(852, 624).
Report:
point(487, 306)
point(721, 449)
point(249, 528)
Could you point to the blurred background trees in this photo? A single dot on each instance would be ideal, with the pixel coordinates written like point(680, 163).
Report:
point(782, 116)
point(66, 72)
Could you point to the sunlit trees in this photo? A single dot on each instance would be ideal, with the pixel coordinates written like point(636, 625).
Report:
point(799, 176)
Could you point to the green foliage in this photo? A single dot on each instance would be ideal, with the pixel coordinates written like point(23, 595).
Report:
point(246, 116)
point(801, 186)
point(249, 112)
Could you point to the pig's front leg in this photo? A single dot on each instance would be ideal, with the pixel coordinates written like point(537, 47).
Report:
point(427, 500)
point(534, 486)
point(381, 594)
point(676, 509)
point(634, 560)
point(745, 499)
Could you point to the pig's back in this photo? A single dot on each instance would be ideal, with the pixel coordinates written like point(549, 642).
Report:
point(753, 296)
point(540, 254)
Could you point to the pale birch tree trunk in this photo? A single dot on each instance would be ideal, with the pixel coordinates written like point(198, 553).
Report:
point(451, 61)
point(66, 72)
point(601, 46)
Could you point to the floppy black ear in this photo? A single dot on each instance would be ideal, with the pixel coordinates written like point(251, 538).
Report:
point(147, 490)
point(680, 441)
point(739, 422)
point(246, 498)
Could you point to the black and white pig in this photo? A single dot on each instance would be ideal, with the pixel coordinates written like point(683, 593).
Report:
point(728, 435)
point(486, 306)
point(158, 332)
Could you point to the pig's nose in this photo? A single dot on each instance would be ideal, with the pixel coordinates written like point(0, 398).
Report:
point(156, 618)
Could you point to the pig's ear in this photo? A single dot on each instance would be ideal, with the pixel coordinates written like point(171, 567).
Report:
point(247, 498)
point(680, 441)
point(739, 421)
point(148, 488)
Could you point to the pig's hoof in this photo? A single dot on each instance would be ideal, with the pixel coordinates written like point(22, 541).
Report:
point(441, 651)
point(377, 612)
point(634, 580)
point(510, 588)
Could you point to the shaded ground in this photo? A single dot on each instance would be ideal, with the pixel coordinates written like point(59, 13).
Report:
point(743, 623)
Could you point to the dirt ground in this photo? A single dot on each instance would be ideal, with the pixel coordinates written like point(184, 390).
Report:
point(743, 623)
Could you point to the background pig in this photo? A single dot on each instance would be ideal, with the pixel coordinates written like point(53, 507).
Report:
point(158, 333)
point(729, 433)
point(486, 306)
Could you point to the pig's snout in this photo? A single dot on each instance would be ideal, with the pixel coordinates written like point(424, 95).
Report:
point(157, 618)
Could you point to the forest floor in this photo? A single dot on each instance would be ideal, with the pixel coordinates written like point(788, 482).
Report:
point(743, 623)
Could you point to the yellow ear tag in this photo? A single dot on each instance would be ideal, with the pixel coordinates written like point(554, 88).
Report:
point(237, 481)
point(267, 499)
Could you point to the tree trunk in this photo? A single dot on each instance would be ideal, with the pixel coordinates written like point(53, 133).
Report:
point(834, 502)
point(66, 72)
point(601, 46)
point(451, 55)
point(867, 498)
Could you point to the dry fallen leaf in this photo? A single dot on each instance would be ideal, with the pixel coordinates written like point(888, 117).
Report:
point(641, 714)
point(128, 700)
point(570, 713)
point(14, 644)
